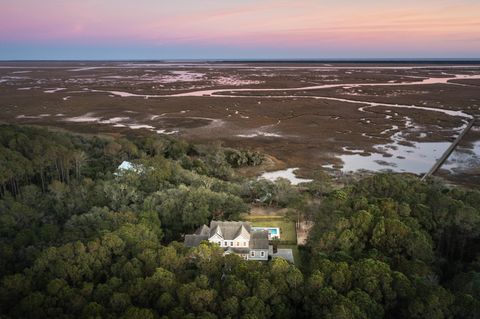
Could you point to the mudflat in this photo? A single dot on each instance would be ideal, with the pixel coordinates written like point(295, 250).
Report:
point(314, 116)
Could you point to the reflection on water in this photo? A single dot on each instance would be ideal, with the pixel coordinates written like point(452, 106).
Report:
point(288, 173)
point(416, 158)
point(464, 159)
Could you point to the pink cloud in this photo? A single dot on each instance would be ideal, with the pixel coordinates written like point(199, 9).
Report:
point(304, 23)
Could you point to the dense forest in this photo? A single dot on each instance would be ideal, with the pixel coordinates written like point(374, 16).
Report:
point(81, 239)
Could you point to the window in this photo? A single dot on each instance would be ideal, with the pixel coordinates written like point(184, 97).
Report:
point(225, 242)
point(238, 244)
point(262, 254)
point(231, 243)
point(252, 254)
point(244, 243)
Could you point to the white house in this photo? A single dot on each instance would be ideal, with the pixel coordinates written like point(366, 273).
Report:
point(127, 166)
point(234, 237)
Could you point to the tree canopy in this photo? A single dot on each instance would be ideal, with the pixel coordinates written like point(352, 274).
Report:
point(80, 239)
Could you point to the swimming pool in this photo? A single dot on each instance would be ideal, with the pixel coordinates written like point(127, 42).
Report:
point(273, 232)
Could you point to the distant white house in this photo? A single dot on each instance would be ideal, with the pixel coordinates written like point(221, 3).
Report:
point(128, 166)
point(235, 238)
point(125, 166)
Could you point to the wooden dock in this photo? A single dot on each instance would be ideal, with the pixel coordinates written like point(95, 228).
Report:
point(449, 151)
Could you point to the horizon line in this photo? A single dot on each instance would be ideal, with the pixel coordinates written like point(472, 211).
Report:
point(262, 60)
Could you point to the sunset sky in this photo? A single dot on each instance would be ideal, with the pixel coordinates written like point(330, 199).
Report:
point(189, 29)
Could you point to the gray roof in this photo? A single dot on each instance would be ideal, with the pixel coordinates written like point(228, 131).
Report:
point(194, 240)
point(259, 239)
point(203, 230)
point(242, 231)
point(229, 230)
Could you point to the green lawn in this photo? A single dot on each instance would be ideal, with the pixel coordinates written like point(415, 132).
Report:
point(287, 230)
point(287, 227)
point(252, 218)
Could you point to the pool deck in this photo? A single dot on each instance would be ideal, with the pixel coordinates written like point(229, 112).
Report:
point(273, 232)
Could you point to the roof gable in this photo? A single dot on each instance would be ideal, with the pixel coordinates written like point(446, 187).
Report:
point(216, 231)
point(242, 233)
point(229, 230)
point(203, 230)
point(215, 237)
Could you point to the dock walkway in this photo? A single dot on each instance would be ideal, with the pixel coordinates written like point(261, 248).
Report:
point(449, 150)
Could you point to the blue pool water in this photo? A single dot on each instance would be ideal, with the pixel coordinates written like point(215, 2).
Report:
point(271, 230)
